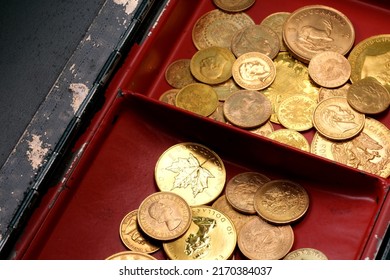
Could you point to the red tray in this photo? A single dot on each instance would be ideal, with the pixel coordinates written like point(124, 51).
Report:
point(113, 167)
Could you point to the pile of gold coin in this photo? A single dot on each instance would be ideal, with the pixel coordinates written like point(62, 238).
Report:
point(294, 77)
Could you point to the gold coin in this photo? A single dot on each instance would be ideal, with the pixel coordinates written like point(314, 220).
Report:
point(225, 89)
point(130, 255)
point(368, 96)
point(192, 171)
point(276, 21)
point(247, 108)
point(291, 137)
point(281, 201)
point(259, 240)
point(368, 151)
point(133, 238)
point(333, 92)
point(240, 190)
point(211, 236)
point(253, 71)
point(306, 254)
point(169, 96)
point(296, 112)
point(255, 38)
point(264, 130)
point(178, 73)
point(216, 28)
point(316, 28)
point(198, 98)
point(164, 216)
point(212, 65)
point(334, 118)
point(234, 5)
point(218, 114)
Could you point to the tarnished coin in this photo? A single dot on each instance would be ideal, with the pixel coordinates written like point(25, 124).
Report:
point(178, 73)
point(211, 236)
point(212, 65)
point(192, 171)
point(133, 238)
point(218, 113)
point(296, 112)
point(164, 216)
point(247, 108)
point(291, 137)
point(333, 92)
point(216, 28)
point(169, 96)
point(259, 240)
point(240, 190)
point(225, 89)
point(198, 98)
point(130, 255)
point(254, 71)
point(234, 5)
point(369, 151)
point(334, 118)
point(255, 38)
point(276, 21)
point(316, 28)
point(306, 254)
point(263, 130)
point(329, 69)
point(368, 96)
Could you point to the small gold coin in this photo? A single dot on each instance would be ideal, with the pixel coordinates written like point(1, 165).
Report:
point(333, 92)
point(198, 98)
point(240, 190)
point(192, 171)
point(218, 113)
point(164, 216)
point(290, 137)
point(234, 5)
point(211, 236)
point(253, 71)
point(169, 96)
point(130, 255)
point(178, 73)
point(133, 238)
point(329, 69)
point(334, 118)
point(306, 254)
point(247, 108)
point(259, 240)
point(276, 21)
point(264, 130)
point(225, 89)
point(212, 65)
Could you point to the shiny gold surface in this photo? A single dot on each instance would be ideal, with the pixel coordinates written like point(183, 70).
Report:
point(130, 255)
point(178, 73)
point(291, 137)
point(225, 89)
point(234, 5)
point(306, 254)
point(333, 92)
point(264, 130)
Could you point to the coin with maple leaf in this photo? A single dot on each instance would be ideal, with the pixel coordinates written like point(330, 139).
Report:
point(192, 171)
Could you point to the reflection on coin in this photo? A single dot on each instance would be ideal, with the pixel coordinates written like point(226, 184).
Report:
point(133, 238)
point(211, 236)
point(164, 216)
point(333, 92)
point(253, 71)
point(247, 108)
point(264, 130)
point(306, 254)
point(334, 118)
point(224, 90)
point(169, 96)
point(233, 5)
point(276, 21)
point(240, 190)
point(178, 73)
point(329, 69)
point(212, 65)
point(198, 98)
point(130, 255)
point(291, 137)
point(281, 201)
point(259, 240)
point(192, 171)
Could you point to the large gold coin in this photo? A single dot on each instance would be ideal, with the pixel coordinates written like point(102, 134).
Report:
point(306, 254)
point(276, 21)
point(178, 73)
point(234, 5)
point(334, 118)
point(211, 236)
point(130, 255)
point(281, 201)
point(192, 171)
point(259, 240)
point(254, 71)
point(133, 238)
point(290, 137)
point(212, 65)
point(164, 216)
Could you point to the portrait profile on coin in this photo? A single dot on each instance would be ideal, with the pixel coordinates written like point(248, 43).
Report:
point(213, 66)
point(338, 118)
point(377, 66)
point(254, 70)
point(164, 213)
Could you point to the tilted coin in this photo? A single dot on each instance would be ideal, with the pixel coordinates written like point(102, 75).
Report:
point(263, 130)
point(329, 69)
point(198, 98)
point(216, 28)
point(133, 238)
point(306, 254)
point(164, 216)
point(334, 118)
point(276, 21)
point(281, 201)
point(316, 28)
point(247, 108)
point(178, 73)
point(234, 5)
point(192, 171)
point(225, 89)
point(211, 236)
point(169, 96)
point(240, 190)
point(333, 92)
point(290, 137)
point(259, 240)
point(212, 65)
point(130, 255)
point(253, 71)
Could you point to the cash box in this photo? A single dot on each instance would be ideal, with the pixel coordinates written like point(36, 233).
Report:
point(110, 166)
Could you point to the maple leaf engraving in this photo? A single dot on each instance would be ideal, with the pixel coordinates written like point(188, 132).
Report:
point(190, 173)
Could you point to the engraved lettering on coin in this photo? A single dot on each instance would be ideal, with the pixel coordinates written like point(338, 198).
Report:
point(306, 254)
point(198, 244)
